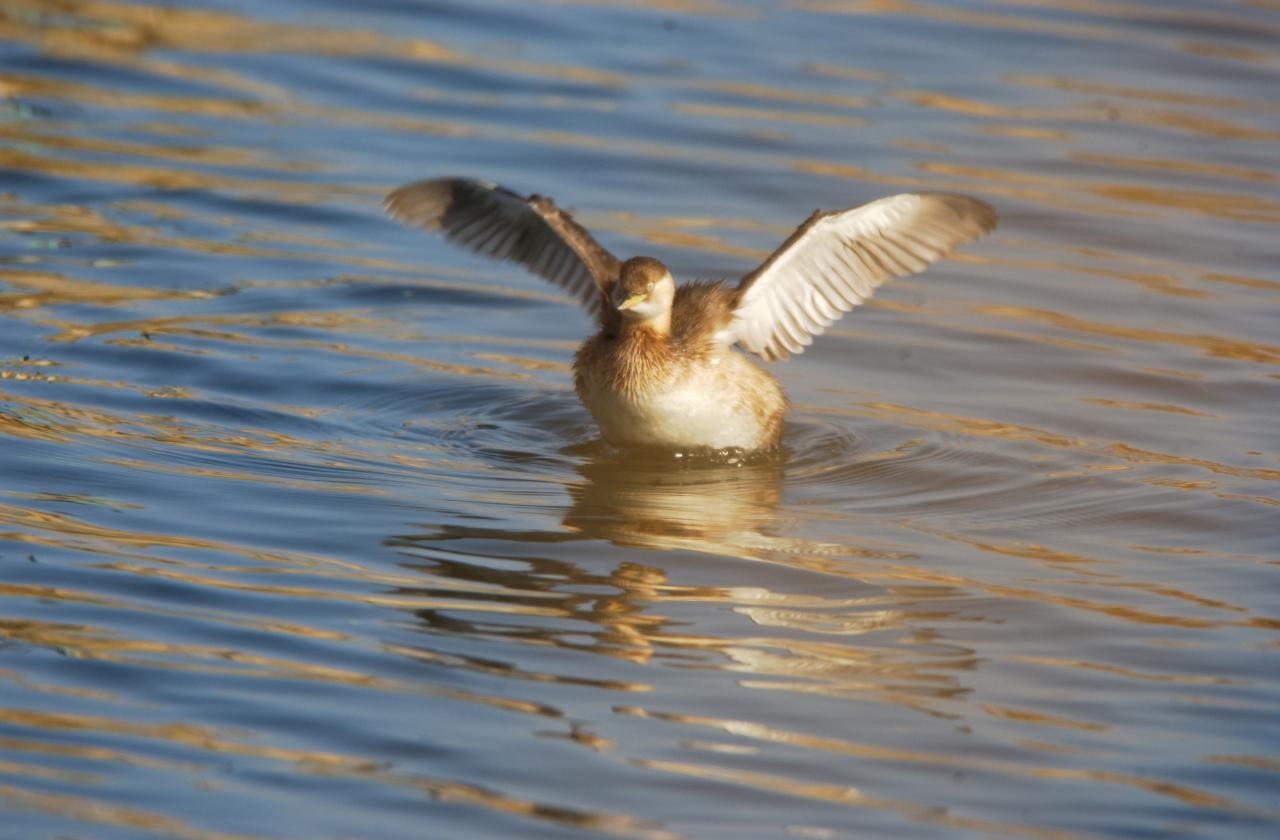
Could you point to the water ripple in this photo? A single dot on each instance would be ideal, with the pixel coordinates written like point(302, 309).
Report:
point(304, 533)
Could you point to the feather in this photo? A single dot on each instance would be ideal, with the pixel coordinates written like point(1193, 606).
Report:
point(835, 261)
point(529, 230)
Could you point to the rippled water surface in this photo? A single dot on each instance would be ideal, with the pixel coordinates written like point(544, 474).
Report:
point(303, 533)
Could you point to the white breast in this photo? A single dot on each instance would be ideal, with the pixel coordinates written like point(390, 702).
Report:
point(706, 406)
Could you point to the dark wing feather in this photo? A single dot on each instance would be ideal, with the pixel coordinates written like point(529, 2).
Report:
point(835, 261)
point(529, 230)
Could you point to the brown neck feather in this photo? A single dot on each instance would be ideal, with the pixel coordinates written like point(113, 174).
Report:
point(659, 325)
point(639, 357)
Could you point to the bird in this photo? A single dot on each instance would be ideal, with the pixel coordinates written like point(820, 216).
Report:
point(661, 372)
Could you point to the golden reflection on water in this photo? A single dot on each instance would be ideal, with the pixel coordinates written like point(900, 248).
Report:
point(1190, 21)
point(326, 764)
point(121, 30)
point(733, 112)
point(758, 732)
point(96, 811)
point(720, 510)
point(716, 8)
point(1219, 346)
point(216, 32)
point(1163, 97)
point(848, 795)
point(831, 579)
point(85, 642)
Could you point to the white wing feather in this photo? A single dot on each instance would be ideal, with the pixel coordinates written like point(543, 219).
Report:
point(836, 261)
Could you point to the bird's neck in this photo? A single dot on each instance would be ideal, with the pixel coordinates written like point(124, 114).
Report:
point(640, 359)
point(658, 326)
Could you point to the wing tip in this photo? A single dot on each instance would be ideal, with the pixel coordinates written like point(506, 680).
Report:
point(976, 216)
point(425, 203)
point(421, 203)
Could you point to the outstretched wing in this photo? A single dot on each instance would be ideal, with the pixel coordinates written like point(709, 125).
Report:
point(835, 261)
point(529, 230)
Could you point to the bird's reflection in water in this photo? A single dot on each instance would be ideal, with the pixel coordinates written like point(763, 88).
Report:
point(533, 614)
point(507, 585)
point(711, 504)
point(500, 576)
point(509, 588)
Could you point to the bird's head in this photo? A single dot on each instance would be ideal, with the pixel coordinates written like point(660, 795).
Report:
point(644, 291)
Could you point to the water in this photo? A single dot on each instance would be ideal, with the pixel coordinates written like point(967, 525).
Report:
point(304, 534)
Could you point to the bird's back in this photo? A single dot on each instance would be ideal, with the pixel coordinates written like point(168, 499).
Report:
point(700, 310)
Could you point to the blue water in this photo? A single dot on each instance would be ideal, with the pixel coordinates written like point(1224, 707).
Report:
point(303, 533)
